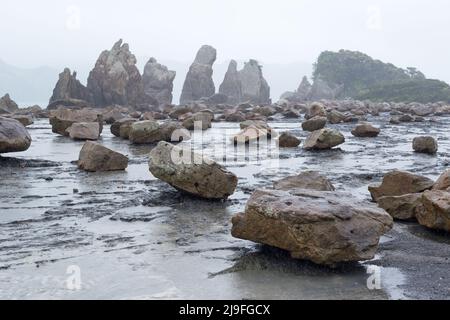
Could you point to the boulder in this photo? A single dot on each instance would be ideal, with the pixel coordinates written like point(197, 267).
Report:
point(69, 103)
point(158, 81)
point(321, 226)
point(200, 119)
point(68, 87)
point(324, 139)
point(235, 117)
point(404, 207)
point(335, 117)
point(231, 85)
point(8, 105)
point(189, 172)
point(436, 210)
point(288, 140)
point(84, 131)
point(13, 136)
point(251, 134)
point(95, 157)
point(425, 144)
point(199, 83)
point(316, 109)
point(365, 130)
point(61, 119)
point(115, 79)
point(315, 123)
point(398, 183)
point(255, 88)
point(150, 131)
point(312, 180)
point(443, 182)
point(23, 119)
point(116, 126)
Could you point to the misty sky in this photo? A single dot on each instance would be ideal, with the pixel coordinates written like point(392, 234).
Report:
point(73, 33)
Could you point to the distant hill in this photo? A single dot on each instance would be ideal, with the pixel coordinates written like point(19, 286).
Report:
point(362, 77)
point(27, 86)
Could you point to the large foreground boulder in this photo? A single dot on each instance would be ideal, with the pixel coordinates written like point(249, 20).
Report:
point(436, 213)
point(425, 144)
point(95, 157)
point(199, 83)
point(190, 172)
point(324, 227)
point(306, 180)
point(62, 119)
point(398, 183)
point(323, 139)
point(13, 136)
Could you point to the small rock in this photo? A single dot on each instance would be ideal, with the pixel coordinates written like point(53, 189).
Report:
point(306, 180)
point(315, 123)
point(425, 144)
point(288, 140)
point(324, 139)
point(95, 157)
point(365, 130)
point(84, 131)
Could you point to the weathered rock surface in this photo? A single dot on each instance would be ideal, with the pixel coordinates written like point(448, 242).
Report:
point(23, 119)
point(201, 119)
point(443, 182)
point(365, 130)
point(116, 127)
point(231, 85)
point(313, 124)
point(253, 133)
point(398, 183)
point(436, 213)
point(84, 131)
point(324, 227)
point(62, 119)
point(190, 172)
point(199, 83)
point(115, 79)
point(324, 139)
point(425, 144)
point(95, 157)
point(255, 88)
point(8, 105)
point(150, 131)
point(312, 180)
point(13, 136)
point(158, 81)
point(316, 109)
point(288, 140)
point(404, 207)
point(68, 87)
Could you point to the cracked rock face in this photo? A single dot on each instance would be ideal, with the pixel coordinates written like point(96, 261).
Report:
point(191, 173)
point(115, 78)
point(199, 83)
point(68, 87)
point(158, 82)
point(323, 227)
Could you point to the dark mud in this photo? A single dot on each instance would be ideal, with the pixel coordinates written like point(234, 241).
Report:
point(134, 237)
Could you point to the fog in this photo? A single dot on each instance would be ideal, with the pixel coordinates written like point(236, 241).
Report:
point(284, 32)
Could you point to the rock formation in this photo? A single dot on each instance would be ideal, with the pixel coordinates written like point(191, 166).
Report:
point(301, 94)
point(190, 172)
point(68, 87)
point(254, 87)
point(158, 82)
point(115, 79)
point(231, 85)
point(199, 83)
point(13, 136)
point(8, 105)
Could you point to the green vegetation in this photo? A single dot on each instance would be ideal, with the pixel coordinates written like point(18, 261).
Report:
point(365, 78)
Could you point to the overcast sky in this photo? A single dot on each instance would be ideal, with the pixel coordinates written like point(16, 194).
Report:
point(72, 33)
